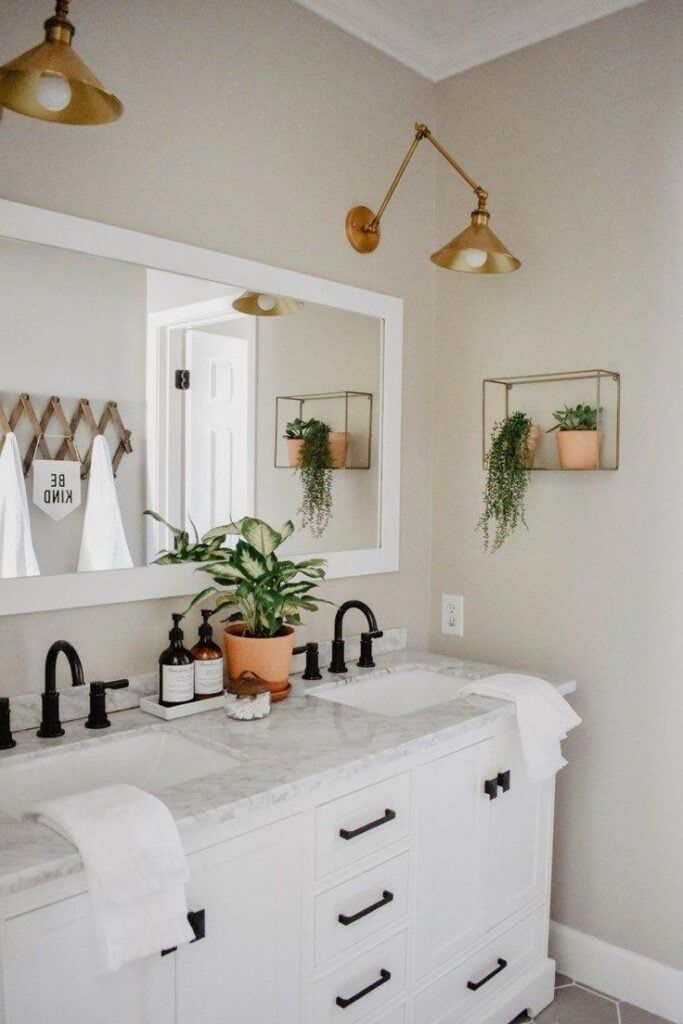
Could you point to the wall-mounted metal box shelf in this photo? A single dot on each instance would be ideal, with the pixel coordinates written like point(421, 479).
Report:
point(601, 389)
point(348, 411)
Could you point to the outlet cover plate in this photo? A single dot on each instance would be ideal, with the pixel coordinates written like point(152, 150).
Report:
point(453, 614)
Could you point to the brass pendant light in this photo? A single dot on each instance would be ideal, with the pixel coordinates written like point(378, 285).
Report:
point(476, 250)
point(51, 82)
point(265, 304)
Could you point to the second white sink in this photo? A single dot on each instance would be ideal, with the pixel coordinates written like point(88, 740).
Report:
point(394, 694)
point(153, 760)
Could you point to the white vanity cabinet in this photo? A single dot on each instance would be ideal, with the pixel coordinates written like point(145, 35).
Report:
point(413, 893)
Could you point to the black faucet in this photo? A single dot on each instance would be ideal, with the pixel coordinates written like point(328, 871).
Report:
point(365, 661)
point(98, 719)
point(50, 725)
point(312, 671)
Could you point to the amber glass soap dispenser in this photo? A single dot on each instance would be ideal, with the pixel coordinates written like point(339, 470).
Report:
point(208, 662)
point(176, 670)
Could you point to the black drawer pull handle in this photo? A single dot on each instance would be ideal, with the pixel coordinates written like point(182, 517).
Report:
point(384, 977)
point(491, 788)
point(503, 780)
point(387, 897)
point(197, 922)
point(388, 815)
point(474, 985)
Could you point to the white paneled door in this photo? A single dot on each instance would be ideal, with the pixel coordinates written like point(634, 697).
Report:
point(219, 473)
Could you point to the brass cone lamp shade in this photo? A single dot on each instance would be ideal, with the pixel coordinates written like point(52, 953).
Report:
point(266, 304)
point(476, 250)
point(51, 82)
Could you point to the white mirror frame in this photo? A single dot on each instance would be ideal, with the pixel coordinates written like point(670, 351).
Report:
point(77, 590)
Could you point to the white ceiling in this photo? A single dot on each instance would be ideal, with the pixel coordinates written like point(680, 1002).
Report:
point(439, 38)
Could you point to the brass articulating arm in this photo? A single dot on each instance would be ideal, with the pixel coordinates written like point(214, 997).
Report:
point(362, 225)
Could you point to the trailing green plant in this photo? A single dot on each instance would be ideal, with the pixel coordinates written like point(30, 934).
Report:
point(315, 471)
point(577, 417)
point(507, 479)
point(264, 592)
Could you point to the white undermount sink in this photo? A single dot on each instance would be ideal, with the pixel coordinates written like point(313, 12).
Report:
point(153, 760)
point(395, 693)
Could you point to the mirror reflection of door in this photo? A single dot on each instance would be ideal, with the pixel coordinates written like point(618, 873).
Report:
point(219, 460)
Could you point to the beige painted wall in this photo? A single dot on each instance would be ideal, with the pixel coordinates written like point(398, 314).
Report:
point(251, 128)
point(580, 141)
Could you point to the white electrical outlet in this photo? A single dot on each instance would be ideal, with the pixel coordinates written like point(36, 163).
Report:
point(453, 614)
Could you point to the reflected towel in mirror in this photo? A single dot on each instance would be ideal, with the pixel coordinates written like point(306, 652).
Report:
point(103, 545)
point(17, 557)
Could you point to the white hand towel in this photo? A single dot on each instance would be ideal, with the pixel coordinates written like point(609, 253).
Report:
point(136, 869)
point(103, 545)
point(17, 557)
point(543, 716)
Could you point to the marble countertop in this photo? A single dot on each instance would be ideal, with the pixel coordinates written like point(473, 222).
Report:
point(305, 745)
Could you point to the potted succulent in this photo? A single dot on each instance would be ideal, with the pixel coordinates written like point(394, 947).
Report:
point(508, 463)
point(578, 437)
point(265, 594)
point(314, 451)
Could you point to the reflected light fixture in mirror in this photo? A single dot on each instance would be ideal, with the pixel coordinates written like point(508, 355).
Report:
point(476, 250)
point(51, 82)
point(265, 304)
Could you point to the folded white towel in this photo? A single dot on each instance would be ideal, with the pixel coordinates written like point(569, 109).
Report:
point(103, 545)
point(136, 869)
point(17, 557)
point(543, 716)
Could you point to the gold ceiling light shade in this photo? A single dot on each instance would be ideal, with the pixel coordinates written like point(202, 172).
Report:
point(51, 82)
point(266, 304)
point(476, 250)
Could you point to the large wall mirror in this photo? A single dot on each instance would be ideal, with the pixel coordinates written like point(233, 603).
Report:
point(134, 377)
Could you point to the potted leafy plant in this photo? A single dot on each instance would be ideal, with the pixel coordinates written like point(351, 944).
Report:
point(266, 594)
point(314, 451)
point(508, 463)
point(578, 437)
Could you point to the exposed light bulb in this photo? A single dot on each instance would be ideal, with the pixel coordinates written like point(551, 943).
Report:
point(266, 302)
point(475, 258)
point(53, 92)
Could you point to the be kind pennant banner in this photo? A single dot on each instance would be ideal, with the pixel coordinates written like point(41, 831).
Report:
point(56, 486)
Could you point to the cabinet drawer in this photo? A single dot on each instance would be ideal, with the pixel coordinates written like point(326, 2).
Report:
point(454, 996)
point(363, 986)
point(366, 904)
point(397, 1016)
point(361, 823)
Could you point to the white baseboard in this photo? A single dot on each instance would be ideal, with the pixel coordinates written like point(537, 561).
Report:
point(618, 972)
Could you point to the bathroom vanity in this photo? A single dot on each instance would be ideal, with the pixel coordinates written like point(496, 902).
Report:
point(346, 866)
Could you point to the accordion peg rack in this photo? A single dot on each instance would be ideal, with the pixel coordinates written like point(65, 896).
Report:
point(23, 409)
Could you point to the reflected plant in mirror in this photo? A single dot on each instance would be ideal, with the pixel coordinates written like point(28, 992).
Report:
point(309, 444)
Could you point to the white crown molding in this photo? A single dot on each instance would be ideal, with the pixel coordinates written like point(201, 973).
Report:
point(437, 51)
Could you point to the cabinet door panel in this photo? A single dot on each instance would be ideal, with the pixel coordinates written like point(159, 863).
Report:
point(247, 967)
point(52, 974)
point(452, 848)
point(520, 834)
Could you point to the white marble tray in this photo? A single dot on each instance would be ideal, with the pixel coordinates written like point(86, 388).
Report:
point(193, 707)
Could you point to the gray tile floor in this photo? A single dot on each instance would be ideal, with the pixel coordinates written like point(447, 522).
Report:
point(578, 1004)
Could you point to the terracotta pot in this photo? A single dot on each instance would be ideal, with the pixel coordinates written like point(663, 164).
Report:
point(338, 444)
point(532, 442)
point(579, 449)
point(294, 451)
point(267, 657)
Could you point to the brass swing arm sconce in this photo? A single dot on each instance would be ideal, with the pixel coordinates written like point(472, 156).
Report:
point(476, 250)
